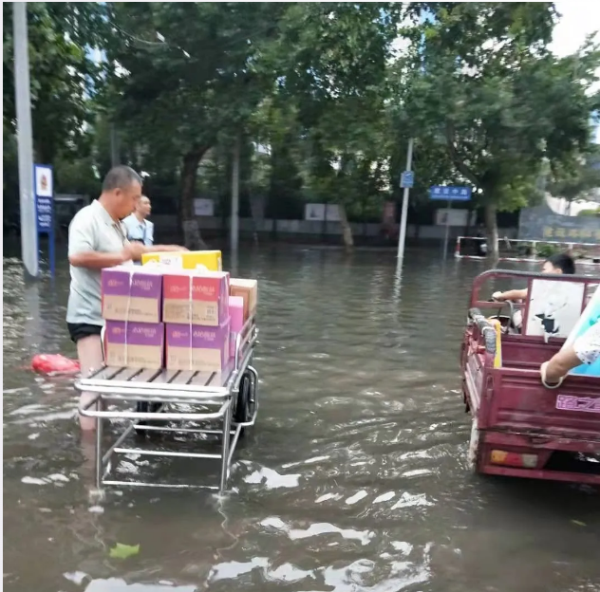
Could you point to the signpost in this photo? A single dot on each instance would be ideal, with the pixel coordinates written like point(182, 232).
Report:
point(450, 194)
point(44, 207)
point(29, 247)
point(406, 176)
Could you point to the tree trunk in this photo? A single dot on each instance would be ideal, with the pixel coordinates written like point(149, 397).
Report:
point(491, 223)
point(346, 228)
point(191, 161)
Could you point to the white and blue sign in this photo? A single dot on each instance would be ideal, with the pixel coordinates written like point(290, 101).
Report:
point(43, 183)
point(450, 193)
point(44, 197)
point(407, 180)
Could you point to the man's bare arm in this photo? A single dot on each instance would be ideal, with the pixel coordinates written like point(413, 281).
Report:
point(511, 295)
point(95, 260)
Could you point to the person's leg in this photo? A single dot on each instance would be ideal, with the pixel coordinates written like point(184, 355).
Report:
point(89, 351)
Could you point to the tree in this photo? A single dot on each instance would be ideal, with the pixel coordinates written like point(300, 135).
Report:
point(62, 71)
point(481, 80)
point(332, 63)
point(187, 76)
point(579, 182)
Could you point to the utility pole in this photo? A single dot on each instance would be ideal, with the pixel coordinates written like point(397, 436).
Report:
point(29, 238)
point(235, 197)
point(404, 215)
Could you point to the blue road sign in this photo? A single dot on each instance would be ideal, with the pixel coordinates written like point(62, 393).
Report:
point(44, 214)
point(450, 193)
point(407, 179)
point(44, 197)
point(43, 186)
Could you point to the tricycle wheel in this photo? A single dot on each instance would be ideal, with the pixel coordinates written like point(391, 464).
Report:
point(474, 446)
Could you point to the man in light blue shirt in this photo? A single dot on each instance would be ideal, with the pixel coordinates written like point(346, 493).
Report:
point(139, 229)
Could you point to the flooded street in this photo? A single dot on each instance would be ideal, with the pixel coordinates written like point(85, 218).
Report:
point(354, 478)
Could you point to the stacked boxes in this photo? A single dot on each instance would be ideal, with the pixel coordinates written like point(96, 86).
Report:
point(131, 306)
point(135, 345)
point(196, 313)
point(195, 297)
point(160, 316)
point(193, 347)
point(236, 311)
point(132, 293)
point(198, 260)
point(248, 290)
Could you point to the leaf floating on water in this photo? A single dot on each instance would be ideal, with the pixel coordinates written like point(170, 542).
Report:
point(578, 522)
point(120, 551)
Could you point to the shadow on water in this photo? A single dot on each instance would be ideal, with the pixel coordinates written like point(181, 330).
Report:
point(353, 479)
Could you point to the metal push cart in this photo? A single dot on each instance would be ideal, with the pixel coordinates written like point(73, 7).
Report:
point(186, 402)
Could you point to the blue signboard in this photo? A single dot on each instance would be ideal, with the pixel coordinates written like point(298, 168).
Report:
point(407, 179)
point(43, 184)
point(450, 193)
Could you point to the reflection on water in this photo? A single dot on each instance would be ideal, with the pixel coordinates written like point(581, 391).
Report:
point(353, 479)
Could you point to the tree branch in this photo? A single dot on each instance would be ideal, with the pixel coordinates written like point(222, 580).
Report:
point(454, 155)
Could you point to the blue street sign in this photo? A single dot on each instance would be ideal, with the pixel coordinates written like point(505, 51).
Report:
point(43, 186)
point(44, 214)
point(450, 193)
point(44, 196)
point(407, 179)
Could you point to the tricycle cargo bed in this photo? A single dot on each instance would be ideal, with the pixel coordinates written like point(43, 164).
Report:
point(522, 405)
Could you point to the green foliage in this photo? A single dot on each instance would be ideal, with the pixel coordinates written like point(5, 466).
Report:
point(576, 181)
point(589, 213)
point(319, 101)
point(63, 75)
point(483, 83)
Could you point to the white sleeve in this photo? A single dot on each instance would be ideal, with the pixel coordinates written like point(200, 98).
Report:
point(82, 238)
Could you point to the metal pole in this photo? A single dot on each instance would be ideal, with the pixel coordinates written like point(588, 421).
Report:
point(29, 238)
point(235, 196)
point(402, 234)
point(447, 228)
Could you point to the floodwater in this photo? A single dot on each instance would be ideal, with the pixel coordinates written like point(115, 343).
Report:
point(353, 479)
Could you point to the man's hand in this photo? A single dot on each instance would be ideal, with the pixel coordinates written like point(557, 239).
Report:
point(499, 296)
point(133, 251)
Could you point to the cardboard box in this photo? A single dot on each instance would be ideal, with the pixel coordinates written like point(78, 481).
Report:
point(248, 290)
point(236, 311)
point(208, 305)
point(134, 345)
point(130, 293)
point(192, 347)
point(200, 260)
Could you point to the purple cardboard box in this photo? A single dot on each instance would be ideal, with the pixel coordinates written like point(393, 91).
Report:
point(131, 293)
point(194, 347)
point(236, 309)
point(134, 345)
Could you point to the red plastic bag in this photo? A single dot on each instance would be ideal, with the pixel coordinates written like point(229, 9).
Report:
point(54, 364)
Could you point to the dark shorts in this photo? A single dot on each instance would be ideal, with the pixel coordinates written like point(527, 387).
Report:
point(78, 331)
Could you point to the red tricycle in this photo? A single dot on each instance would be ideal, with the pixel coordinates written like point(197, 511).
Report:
point(521, 428)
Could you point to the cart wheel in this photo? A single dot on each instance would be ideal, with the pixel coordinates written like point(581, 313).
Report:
point(474, 447)
point(144, 407)
point(246, 400)
point(242, 407)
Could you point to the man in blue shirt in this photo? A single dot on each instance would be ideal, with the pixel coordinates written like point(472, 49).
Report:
point(139, 229)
